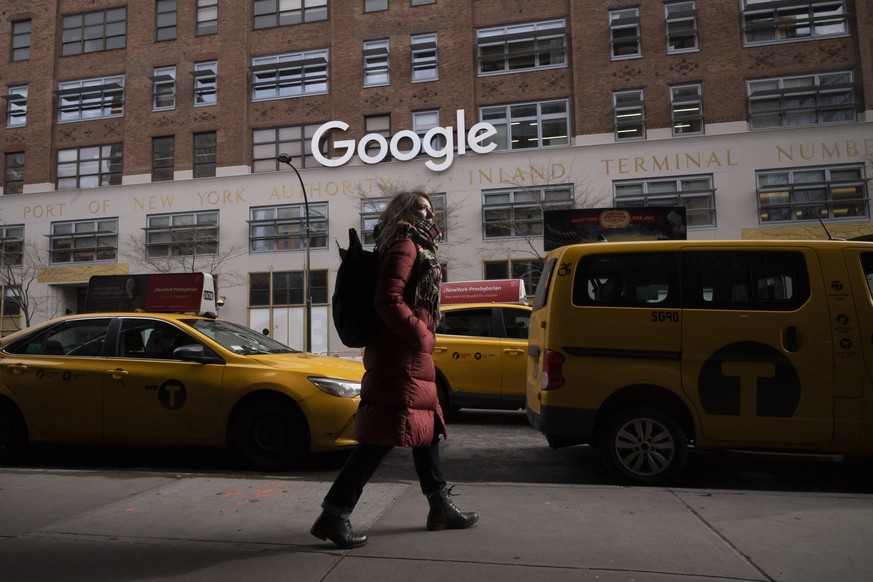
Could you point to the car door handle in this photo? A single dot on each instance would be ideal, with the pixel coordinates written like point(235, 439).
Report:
point(440, 349)
point(117, 374)
point(791, 338)
point(513, 351)
point(17, 368)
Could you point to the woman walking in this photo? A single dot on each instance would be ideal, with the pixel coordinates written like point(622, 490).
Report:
point(399, 405)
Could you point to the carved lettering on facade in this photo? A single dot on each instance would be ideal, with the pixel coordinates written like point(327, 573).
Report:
point(669, 162)
point(824, 151)
point(162, 202)
point(518, 175)
point(45, 211)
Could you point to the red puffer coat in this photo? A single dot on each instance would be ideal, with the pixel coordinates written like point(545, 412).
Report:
point(399, 405)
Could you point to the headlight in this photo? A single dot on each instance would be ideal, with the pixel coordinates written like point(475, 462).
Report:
point(336, 387)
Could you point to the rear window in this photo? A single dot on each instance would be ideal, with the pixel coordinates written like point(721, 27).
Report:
point(627, 280)
point(748, 280)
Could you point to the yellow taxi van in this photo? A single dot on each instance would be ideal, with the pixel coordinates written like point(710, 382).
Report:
point(644, 349)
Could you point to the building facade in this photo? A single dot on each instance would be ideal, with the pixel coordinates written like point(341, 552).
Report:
point(145, 136)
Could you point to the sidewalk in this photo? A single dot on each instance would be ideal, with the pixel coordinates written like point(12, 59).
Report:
point(67, 526)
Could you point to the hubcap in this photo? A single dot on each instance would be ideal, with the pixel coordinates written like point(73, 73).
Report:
point(644, 447)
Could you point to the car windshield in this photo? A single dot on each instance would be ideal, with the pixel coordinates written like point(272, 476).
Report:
point(237, 338)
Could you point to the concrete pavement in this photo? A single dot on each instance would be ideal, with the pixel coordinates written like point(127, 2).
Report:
point(67, 526)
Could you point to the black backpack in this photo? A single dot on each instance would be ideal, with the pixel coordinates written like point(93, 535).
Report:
point(354, 314)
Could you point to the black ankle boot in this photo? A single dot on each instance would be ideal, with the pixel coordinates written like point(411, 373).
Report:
point(444, 515)
point(339, 531)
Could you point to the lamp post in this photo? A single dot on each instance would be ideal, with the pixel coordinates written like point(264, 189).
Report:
point(307, 296)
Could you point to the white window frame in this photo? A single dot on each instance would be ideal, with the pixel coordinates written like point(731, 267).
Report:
point(207, 17)
point(681, 22)
point(205, 83)
point(290, 75)
point(812, 193)
point(163, 88)
point(87, 99)
point(695, 193)
point(778, 21)
point(16, 106)
point(283, 228)
point(517, 122)
point(521, 47)
point(183, 234)
point(376, 63)
point(90, 167)
point(270, 14)
point(804, 100)
point(624, 34)
point(686, 109)
point(423, 49)
point(512, 213)
point(629, 111)
point(83, 241)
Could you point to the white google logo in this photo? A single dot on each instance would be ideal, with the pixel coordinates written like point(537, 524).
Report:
point(472, 139)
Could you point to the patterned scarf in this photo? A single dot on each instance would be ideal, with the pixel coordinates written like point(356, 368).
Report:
point(426, 236)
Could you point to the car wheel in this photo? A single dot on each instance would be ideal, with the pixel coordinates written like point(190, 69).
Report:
point(645, 446)
point(270, 435)
point(13, 435)
point(444, 398)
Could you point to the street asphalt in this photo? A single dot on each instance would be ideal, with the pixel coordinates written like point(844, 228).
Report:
point(70, 525)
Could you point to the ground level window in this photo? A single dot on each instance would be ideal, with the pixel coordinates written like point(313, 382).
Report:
point(526, 269)
point(801, 194)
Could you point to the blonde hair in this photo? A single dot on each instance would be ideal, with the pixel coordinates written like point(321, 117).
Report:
point(399, 215)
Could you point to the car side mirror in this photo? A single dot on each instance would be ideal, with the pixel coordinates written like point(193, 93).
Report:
point(195, 353)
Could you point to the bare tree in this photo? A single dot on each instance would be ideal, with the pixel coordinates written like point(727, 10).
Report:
point(20, 272)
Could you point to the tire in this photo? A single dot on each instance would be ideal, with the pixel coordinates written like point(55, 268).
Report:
point(644, 446)
point(270, 435)
point(444, 398)
point(13, 435)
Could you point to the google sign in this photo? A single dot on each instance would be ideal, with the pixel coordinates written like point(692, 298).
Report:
point(472, 139)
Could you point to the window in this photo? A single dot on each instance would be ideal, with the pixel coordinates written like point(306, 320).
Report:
point(152, 339)
point(13, 179)
point(746, 280)
point(90, 167)
point(468, 322)
point(21, 40)
point(286, 288)
point(93, 32)
point(204, 154)
point(797, 101)
point(375, 5)
point(289, 75)
point(422, 2)
point(522, 47)
point(526, 269)
point(376, 63)
point(164, 88)
point(529, 125)
point(624, 31)
point(188, 234)
point(83, 241)
point(163, 158)
point(630, 118)
point(270, 13)
point(686, 107)
point(695, 193)
point(519, 212)
point(296, 141)
point(16, 106)
point(207, 17)
point(205, 83)
point(422, 122)
point(83, 337)
point(424, 57)
point(10, 309)
point(768, 21)
point(799, 194)
point(11, 244)
point(372, 208)
point(91, 99)
point(283, 228)
point(681, 19)
point(165, 20)
point(627, 280)
point(380, 125)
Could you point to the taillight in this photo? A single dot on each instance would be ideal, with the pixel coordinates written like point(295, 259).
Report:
point(552, 363)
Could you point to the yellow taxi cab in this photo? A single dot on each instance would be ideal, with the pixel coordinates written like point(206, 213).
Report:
point(151, 378)
point(647, 348)
point(481, 348)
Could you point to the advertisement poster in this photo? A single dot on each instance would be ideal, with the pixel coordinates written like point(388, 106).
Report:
point(491, 291)
point(580, 225)
point(180, 292)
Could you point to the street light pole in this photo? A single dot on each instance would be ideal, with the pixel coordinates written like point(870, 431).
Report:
point(307, 296)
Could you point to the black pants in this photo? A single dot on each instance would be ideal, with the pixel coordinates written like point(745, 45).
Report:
point(363, 462)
